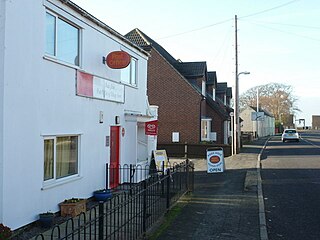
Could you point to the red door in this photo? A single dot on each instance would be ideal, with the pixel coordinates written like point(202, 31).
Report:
point(114, 156)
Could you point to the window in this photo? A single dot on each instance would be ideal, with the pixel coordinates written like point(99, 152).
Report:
point(62, 40)
point(203, 88)
point(129, 74)
point(205, 129)
point(60, 157)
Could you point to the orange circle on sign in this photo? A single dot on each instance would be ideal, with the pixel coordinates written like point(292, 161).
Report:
point(214, 159)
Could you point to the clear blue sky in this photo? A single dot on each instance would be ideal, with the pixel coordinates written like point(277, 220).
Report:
point(278, 40)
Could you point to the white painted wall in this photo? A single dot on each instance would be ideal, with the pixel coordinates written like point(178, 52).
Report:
point(39, 99)
point(2, 47)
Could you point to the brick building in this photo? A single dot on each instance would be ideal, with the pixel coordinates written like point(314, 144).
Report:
point(316, 122)
point(185, 94)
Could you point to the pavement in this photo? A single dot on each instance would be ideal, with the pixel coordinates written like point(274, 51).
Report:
point(224, 206)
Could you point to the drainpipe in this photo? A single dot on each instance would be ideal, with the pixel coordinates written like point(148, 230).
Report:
point(202, 98)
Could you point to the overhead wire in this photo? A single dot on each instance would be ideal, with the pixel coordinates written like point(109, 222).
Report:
point(196, 29)
point(284, 24)
point(269, 9)
point(287, 32)
point(228, 20)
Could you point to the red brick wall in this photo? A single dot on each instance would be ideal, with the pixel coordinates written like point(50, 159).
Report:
point(178, 101)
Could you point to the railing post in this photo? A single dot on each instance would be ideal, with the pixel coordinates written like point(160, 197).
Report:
point(162, 179)
point(107, 176)
point(186, 150)
point(187, 174)
point(168, 189)
point(144, 225)
point(130, 176)
point(101, 218)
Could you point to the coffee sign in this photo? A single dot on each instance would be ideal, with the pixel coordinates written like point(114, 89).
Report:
point(118, 59)
point(215, 160)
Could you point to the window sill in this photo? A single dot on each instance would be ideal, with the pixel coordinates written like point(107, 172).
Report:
point(129, 85)
point(56, 183)
point(55, 60)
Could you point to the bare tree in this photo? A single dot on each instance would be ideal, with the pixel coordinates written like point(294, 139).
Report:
point(276, 98)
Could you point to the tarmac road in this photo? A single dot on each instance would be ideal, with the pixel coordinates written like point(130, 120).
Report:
point(291, 188)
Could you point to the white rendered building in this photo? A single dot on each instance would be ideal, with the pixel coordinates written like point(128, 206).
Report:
point(64, 113)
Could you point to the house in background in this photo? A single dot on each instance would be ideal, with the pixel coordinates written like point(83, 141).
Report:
point(261, 126)
point(186, 112)
point(316, 122)
point(64, 114)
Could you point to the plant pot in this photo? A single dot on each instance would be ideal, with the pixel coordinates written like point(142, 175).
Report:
point(46, 219)
point(72, 207)
point(102, 195)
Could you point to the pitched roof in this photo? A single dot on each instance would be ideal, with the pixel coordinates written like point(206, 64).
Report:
point(212, 78)
point(229, 92)
point(191, 69)
point(218, 106)
point(222, 87)
point(141, 39)
point(187, 69)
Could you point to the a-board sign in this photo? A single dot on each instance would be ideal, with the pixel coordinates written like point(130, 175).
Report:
point(161, 159)
point(215, 160)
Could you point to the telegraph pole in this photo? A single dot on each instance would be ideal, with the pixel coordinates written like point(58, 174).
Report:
point(257, 113)
point(236, 136)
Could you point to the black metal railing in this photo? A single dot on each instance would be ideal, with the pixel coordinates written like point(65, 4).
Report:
point(131, 211)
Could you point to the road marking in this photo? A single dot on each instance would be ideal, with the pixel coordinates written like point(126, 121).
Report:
point(307, 141)
point(262, 215)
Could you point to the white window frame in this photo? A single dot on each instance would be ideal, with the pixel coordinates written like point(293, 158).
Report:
point(205, 122)
point(54, 56)
point(203, 88)
point(133, 75)
point(56, 181)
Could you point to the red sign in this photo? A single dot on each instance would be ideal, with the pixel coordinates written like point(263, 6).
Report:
point(151, 128)
point(118, 59)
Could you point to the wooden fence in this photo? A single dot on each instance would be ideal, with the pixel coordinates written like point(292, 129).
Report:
point(191, 150)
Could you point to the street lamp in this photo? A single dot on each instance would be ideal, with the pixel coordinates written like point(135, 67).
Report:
point(236, 128)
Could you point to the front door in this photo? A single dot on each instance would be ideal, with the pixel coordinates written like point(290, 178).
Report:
point(114, 156)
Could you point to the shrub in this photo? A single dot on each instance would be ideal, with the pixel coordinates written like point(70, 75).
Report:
point(5, 232)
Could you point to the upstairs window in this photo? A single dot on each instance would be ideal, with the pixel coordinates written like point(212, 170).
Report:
point(62, 40)
point(129, 74)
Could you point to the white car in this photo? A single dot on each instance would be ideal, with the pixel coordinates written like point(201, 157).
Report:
point(290, 135)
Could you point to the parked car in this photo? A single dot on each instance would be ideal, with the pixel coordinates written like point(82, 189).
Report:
point(290, 135)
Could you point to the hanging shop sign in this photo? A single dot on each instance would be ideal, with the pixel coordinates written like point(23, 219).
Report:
point(118, 59)
point(151, 128)
point(215, 160)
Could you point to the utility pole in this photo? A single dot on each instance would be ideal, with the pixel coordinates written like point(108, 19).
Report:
point(236, 136)
point(257, 113)
point(236, 128)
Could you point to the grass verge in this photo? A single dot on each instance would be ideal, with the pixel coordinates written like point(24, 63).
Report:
point(173, 213)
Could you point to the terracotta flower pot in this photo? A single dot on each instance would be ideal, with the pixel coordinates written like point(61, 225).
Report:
point(72, 207)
